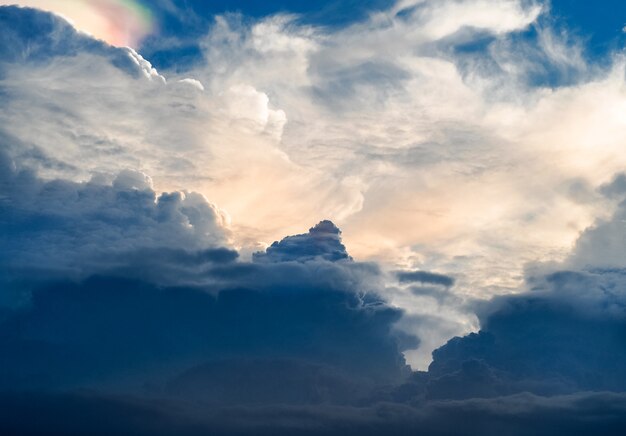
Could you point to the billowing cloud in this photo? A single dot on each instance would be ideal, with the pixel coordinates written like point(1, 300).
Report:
point(184, 137)
point(322, 242)
point(429, 133)
point(62, 229)
point(179, 304)
point(452, 142)
point(565, 335)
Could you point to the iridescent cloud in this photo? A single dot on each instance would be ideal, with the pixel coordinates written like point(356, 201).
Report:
point(118, 22)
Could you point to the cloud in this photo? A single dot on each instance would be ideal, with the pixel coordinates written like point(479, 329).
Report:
point(117, 288)
point(516, 415)
point(121, 281)
point(114, 286)
point(153, 332)
point(260, 382)
point(563, 336)
point(121, 23)
point(58, 233)
point(414, 130)
point(184, 138)
point(60, 228)
point(425, 277)
point(616, 188)
point(436, 114)
point(34, 38)
point(322, 242)
point(444, 18)
point(602, 244)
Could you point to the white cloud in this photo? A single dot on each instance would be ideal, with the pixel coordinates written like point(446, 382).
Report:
point(193, 82)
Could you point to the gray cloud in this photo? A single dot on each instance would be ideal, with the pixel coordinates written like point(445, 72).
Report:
point(323, 241)
point(515, 415)
point(59, 228)
point(425, 277)
point(616, 188)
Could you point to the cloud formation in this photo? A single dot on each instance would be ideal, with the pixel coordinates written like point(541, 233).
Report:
point(428, 115)
point(131, 300)
point(322, 242)
point(63, 229)
point(414, 129)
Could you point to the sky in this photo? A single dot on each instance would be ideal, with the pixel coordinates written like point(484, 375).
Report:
point(406, 214)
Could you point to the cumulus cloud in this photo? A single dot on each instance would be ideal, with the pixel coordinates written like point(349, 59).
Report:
point(59, 228)
point(443, 120)
point(184, 138)
point(426, 116)
point(564, 335)
point(322, 242)
point(123, 279)
point(603, 245)
point(114, 286)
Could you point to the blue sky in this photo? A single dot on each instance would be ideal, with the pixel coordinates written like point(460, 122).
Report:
point(188, 26)
point(325, 12)
point(599, 25)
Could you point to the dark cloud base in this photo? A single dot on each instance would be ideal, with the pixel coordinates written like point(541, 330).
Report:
point(120, 356)
point(86, 413)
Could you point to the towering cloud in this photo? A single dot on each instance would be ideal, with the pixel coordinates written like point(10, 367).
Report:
point(565, 335)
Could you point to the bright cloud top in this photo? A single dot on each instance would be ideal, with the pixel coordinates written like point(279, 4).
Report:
point(118, 22)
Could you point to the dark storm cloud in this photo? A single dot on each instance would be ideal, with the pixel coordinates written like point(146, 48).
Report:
point(238, 382)
point(580, 414)
point(564, 338)
point(108, 330)
point(290, 343)
point(172, 314)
